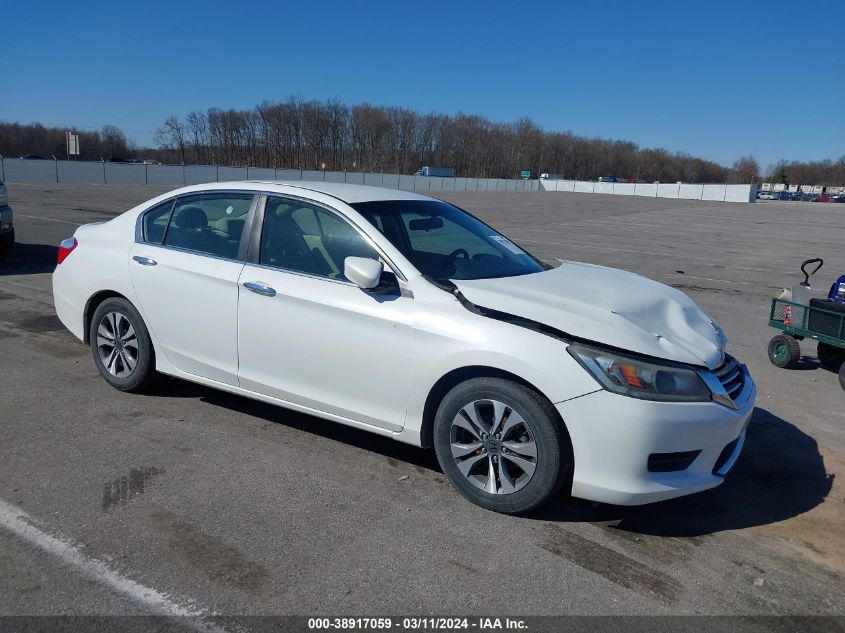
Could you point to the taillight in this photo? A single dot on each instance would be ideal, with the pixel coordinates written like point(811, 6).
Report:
point(65, 249)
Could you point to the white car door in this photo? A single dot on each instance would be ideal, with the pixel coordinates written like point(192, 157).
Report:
point(309, 336)
point(185, 270)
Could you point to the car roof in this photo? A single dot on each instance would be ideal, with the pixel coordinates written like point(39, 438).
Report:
point(342, 191)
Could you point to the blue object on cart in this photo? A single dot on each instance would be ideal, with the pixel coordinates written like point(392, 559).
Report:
point(837, 290)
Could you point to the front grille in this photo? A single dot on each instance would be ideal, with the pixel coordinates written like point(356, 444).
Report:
point(731, 377)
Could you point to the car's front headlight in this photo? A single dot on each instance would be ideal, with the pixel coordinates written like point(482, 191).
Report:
point(642, 379)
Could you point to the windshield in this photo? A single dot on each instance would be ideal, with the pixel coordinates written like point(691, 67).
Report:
point(444, 242)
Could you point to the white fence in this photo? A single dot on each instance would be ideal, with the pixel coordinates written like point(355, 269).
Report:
point(83, 172)
point(681, 190)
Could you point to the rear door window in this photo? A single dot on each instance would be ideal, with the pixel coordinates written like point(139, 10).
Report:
point(155, 222)
point(210, 223)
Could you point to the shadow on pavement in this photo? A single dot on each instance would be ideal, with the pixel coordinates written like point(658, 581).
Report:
point(29, 259)
point(301, 421)
point(779, 475)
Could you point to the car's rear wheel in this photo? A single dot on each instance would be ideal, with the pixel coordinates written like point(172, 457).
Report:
point(501, 445)
point(121, 345)
point(7, 243)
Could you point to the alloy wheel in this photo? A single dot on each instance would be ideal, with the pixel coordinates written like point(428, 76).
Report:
point(117, 344)
point(493, 446)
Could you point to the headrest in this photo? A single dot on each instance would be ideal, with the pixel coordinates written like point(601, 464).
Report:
point(231, 226)
point(191, 218)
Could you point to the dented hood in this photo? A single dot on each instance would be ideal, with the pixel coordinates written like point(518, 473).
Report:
point(607, 306)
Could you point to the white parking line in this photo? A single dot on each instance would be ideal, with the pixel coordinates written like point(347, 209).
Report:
point(19, 523)
point(39, 217)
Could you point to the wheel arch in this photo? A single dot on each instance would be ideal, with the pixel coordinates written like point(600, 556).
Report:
point(453, 378)
point(91, 306)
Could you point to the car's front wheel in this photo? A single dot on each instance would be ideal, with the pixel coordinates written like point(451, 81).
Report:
point(501, 445)
point(121, 345)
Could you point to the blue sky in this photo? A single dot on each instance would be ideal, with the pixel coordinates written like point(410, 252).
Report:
point(716, 79)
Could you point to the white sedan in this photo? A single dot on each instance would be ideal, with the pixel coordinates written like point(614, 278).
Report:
point(405, 316)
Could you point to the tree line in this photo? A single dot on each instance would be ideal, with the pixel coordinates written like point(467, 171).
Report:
point(818, 172)
point(331, 135)
point(17, 139)
point(312, 134)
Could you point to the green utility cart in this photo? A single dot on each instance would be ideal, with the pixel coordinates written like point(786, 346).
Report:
point(800, 321)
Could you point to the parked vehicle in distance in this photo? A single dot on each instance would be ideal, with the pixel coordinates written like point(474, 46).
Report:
point(406, 316)
point(32, 157)
point(7, 229)
point(795, 195)
point(838, 198)
point(441, 172)
point(783, 195)
point(608, 179)
point(767, 195)
point(551, 177)
point(822, 197)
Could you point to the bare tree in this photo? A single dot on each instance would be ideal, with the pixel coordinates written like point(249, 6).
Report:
point(171, 137)
point(745, 169)
point(114, 141)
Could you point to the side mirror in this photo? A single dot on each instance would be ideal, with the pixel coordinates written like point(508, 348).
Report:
point(363, 272)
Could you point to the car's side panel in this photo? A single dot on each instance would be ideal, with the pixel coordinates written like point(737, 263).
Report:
point(447, 337)
point(190, 302)
point(327, 345)
point(99, 263)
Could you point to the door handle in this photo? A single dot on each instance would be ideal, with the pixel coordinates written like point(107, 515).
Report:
point(144, 261)
point(260, 289)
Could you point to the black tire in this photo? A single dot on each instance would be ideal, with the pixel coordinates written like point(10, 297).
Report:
point(784, 351)
point(7, 243)
point(830, 356)
point(842, 375)
point(542, 428)
point(141, 375)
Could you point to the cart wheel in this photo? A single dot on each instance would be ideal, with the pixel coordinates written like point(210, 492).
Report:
point(842, 375)
point(830, 356)
point(784, 351)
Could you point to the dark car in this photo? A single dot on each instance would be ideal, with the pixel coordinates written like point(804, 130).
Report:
point(7, 231)
point(32, 157)
point(608, 179)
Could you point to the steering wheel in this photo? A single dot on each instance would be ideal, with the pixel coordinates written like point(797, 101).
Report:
point(449, 262)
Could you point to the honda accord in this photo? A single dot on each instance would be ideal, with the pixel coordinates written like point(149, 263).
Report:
point(407, 317)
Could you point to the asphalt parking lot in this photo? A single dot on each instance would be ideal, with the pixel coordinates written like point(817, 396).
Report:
point(230, 506)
